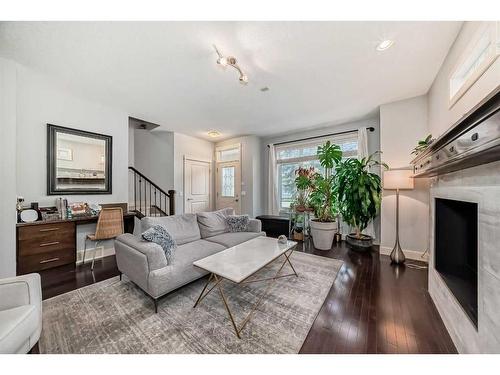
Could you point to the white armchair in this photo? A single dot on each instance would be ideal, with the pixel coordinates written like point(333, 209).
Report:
point(20, 313)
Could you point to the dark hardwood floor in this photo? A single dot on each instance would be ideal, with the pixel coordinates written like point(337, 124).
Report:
point(372, 307)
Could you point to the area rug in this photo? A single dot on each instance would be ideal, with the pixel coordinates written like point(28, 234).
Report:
point(115, 316)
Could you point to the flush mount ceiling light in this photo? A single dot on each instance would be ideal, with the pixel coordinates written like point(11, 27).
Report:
point(213, 134)
point(231, 61)
point(385, 44)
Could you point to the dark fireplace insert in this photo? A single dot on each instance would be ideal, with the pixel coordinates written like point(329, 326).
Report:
point(456, 224)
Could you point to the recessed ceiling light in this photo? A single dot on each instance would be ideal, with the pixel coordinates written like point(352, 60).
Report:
point(385, 44)
point(264, 89)
point(213, 134)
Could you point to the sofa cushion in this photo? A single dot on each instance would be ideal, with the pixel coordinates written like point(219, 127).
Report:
point(233, 239)
point(16, 327)
point(182, 271)
point(213, 223)
point(182, 228)
point(193, 251)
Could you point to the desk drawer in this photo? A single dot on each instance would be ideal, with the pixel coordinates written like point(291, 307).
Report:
point(46, 245)
point(45, 232)
point(38, 262)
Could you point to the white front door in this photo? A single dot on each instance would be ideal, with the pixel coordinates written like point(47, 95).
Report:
point(229, 186)
point(196, 186)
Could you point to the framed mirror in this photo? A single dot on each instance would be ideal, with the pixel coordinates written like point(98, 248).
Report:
point(78, 162)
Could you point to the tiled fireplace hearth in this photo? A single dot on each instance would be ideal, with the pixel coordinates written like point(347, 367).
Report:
point(465, 193)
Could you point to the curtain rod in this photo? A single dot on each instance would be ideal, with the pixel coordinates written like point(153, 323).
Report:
point(370, 128)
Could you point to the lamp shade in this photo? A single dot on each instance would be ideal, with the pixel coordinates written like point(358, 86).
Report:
point(398, 179)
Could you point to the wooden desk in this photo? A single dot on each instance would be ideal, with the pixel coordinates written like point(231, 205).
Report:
point(48, 244)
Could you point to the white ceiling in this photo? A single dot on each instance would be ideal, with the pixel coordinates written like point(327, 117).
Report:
point(165, 72)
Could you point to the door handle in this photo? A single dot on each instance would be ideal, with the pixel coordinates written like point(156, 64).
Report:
point(189, 199)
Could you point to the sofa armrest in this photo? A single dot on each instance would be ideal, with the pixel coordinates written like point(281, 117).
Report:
point(20, 291)
point(254, 225)
point(153, 252)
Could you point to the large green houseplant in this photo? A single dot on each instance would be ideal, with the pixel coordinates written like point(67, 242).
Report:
point(359, 193)
point(323, 197)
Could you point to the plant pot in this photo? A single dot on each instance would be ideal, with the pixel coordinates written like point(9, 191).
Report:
point(322, 234)
point(359, 244)
point(300, 208)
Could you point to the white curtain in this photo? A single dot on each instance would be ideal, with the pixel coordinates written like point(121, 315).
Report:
point(272, 192)
point(363, 153)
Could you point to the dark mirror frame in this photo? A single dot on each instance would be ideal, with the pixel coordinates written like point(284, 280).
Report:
point(52, 131)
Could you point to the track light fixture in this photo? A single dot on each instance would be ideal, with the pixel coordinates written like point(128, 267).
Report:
point(231, 61)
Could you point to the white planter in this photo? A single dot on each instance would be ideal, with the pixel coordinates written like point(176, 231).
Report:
point(322, 234)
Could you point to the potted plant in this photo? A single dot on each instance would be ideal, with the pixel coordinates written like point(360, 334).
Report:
point(303, 183)
point(422, 145)
point(359, 195)
point(323, 197)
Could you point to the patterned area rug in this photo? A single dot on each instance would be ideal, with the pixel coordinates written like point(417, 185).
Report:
point(117, 317)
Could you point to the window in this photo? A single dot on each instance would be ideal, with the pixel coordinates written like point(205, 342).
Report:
point(477, 57)
point(228, 181)
point(228, 153)
point(291, 156)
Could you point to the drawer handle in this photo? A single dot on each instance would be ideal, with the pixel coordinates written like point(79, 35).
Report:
point(49, 243)
point(48, 229)
point(49, 260)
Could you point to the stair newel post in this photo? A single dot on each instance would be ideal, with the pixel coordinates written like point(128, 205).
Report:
point(171, 196)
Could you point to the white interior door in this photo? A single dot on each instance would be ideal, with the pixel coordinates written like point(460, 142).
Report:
point(196, 186)
point(229, 186)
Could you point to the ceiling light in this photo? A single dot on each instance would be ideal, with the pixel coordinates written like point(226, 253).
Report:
point(231, 61)
point(264, 89)
point(243, 79)
point(385, 44)
point(222, 61)
point(213, 134)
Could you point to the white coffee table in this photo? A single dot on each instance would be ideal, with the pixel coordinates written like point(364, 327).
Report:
point(238, 263)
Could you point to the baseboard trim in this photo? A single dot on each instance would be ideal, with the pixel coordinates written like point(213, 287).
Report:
point(100, 251)
point(410, 254)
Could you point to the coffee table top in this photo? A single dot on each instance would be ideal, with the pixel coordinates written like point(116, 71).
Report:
point(241, 261)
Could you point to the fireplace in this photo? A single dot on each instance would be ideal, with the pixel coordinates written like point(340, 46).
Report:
point(456, 249)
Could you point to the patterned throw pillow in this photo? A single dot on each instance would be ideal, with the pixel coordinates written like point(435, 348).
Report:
point(159, 235)
point(237, 223)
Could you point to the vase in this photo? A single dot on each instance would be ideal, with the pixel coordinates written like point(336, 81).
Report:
point(364, 243)
point(322, 234)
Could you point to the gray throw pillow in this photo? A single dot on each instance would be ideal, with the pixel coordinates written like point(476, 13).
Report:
point(159, 235)
point(237, 223)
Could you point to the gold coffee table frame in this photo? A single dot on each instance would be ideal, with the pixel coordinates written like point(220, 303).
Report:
point(218, 280)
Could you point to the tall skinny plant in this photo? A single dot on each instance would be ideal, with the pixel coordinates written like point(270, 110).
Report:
point(323, 196)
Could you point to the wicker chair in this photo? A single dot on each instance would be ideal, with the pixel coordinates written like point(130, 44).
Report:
point(109, 226)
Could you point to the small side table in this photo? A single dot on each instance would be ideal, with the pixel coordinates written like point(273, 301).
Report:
point(293, 215)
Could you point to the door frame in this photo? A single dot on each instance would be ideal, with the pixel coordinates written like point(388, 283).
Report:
point(186, 158)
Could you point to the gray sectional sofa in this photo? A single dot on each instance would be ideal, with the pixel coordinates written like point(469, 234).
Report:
point(197, 236)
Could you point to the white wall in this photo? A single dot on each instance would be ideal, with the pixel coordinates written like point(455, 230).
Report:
point(7, 168)
point(402, 124)
point(185, 145)
point(154, 156)
point(250, 173)
point(41, 100)
point(441, 116)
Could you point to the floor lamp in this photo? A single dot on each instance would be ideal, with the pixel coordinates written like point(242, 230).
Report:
point(398, 179)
